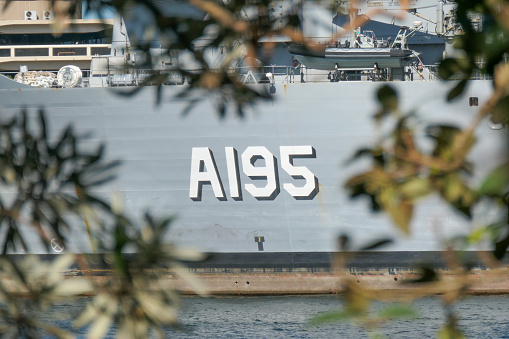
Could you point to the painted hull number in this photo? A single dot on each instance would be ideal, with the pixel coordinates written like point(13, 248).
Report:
point(264, 177)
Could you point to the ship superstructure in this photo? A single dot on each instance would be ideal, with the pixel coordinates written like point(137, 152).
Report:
point(29, 37)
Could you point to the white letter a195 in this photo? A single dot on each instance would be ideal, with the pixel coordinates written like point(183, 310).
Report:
point(204, 171)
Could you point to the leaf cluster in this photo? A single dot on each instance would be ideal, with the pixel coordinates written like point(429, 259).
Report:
point(46, 180)
point(402, 173)
point(185, 32)
point(484, 44)
point(134, 297)
point(357, 310)
point(28, 288)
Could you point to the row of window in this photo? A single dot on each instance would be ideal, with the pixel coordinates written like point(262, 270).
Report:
point(57, 51)
point(103, 37)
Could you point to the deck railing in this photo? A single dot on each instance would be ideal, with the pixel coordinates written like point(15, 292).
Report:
point(290, 74)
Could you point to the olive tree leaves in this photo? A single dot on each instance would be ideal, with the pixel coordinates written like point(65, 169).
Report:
point(41, 180)
point(485, 44)
point(203, 42)
point(46, 183)
point(44, 283)
point(482, 53)
point(401, 173)
point(135, 297)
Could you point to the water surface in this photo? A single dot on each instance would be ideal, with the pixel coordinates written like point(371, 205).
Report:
point(289, 317)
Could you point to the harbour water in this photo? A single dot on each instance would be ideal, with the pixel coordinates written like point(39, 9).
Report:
point(289, 317)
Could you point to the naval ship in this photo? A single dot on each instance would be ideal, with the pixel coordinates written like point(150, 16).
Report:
point(274, 180)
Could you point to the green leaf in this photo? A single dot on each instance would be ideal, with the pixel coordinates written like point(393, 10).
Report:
point(73, 287)
point(357, 300)
point(502, 245)
point(457, 90)
point(428, 274)
point(500, 113)
point(334, 316)
point(375, 206)
point(477, 235)
point(450, 330)
point(447, 332)
point(398, 312)
point(463, 209)
point(388, 97)
point(449, 67)
point(377, 244)
point(458, 68)
point(496, 182)
point(453, 188)
point(42, 122)
point(401, 214)
point(415, 188)
point(189, 107)
point(344, 242)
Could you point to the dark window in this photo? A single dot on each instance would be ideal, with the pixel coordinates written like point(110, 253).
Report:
point(5, 52)
point(473, 101)
point(64, 39)
point(69, 51)
point(21, 52)
point(100, 51)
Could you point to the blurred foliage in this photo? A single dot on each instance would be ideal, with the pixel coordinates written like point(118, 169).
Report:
point(28, 288)
point(365, 318)
point(232, 27)
point(484, 43)
point(186, 30)
point(371, 308)
point(136, 298)
point(42, 175)
point(403, 171)
point(450, 330)
point(40, 178)
point(47, 179)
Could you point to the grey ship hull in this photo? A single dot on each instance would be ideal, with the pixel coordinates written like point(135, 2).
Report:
point(156, 145)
